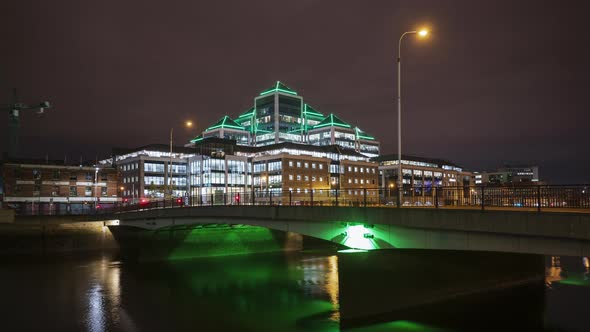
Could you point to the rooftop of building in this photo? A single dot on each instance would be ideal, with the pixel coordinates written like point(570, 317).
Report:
point(393, 157)
point(153, 147)
point(279, 87)
point(336, 149)
point(47, 162)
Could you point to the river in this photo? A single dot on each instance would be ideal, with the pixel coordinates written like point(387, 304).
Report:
point(296, 291)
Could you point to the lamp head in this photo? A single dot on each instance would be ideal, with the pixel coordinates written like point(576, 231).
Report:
point(423, 32)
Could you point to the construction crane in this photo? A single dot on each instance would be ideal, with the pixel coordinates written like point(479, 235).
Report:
point(14, 109)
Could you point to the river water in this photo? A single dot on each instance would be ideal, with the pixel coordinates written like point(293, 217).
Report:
point(264, 292)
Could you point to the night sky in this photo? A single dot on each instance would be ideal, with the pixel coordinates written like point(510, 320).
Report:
point(497, 82)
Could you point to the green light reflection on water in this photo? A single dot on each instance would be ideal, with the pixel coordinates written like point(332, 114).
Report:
point(398, 326)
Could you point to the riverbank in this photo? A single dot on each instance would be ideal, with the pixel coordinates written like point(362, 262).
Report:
point(32, 236)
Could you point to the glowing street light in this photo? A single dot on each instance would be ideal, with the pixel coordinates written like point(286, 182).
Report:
point(422, 33)
point(168, 172)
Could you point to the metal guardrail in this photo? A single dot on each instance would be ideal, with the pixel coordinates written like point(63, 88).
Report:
point(540, 198)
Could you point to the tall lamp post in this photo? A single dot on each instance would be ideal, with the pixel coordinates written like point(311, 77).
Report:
point(168, 171)
point(421, 33)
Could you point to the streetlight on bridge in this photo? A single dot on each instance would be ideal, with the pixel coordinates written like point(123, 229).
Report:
point(168, 170)
point(422, 34)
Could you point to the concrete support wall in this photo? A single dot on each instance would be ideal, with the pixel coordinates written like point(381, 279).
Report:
point(55, 238)
point(411, 285)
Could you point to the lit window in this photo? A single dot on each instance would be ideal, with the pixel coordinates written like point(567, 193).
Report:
point(290, 163)
point(349, 180)
point(321, 166)
point(298, 177)
point(291, 177)
point(306, 165)
point(298, 164)
point(306, 178)
point(362, 181)
point(321, 179)
point(313, 165)
point(313, 178)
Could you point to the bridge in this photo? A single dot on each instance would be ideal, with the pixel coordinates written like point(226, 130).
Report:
point(502, 230)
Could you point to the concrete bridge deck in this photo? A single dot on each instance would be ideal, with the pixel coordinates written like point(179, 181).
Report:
point(555, 233)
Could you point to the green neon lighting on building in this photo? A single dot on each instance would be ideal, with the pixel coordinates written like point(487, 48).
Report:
point(332, 121)
point(362, 135)
point(226, 122)
point(312, 112)
point(248, 116)
point(309, 113)
point(249, 113)
point(197, 139)
point(279, 87)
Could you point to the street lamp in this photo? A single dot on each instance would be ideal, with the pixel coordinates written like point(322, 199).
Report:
point(168, 170)
point(95, 187)
point(421, 33)
point(389, 191)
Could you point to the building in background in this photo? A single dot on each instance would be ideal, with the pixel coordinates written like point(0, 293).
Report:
point(280, 115)
point(509, 175)
point(420, 177)
point(282, 173)
point(52, 187)
point(143, 171)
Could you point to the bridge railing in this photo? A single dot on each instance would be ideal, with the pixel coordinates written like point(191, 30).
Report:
point(540, 198)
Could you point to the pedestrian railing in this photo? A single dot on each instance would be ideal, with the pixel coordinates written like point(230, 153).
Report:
point(539, 198)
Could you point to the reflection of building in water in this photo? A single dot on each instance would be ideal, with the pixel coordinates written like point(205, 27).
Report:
point(553, 274)
point(320, 278)
point(104, 297)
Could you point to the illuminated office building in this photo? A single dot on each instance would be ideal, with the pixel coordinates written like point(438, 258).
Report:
point(280, 115)
point(285, 171)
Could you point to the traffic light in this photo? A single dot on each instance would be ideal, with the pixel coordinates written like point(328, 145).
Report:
point(179, 201)
point(238, 199)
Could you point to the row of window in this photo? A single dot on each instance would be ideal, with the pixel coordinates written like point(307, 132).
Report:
point(56, 175)
point(73, 191)
point(332, 192)
point(357, 169)
point(361, 181)
point(305, 178)
point(130, 166)
point(306, 164)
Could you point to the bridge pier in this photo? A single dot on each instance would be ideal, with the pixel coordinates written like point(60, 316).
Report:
point(444, 285)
